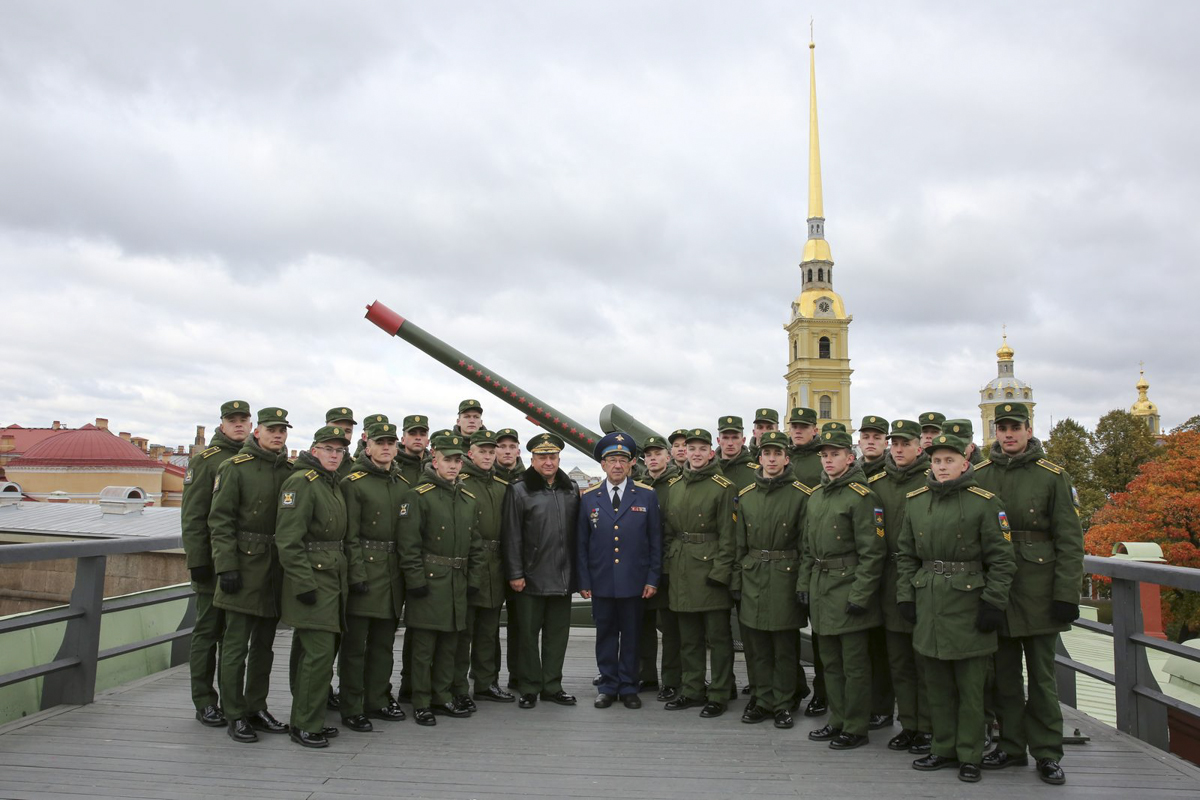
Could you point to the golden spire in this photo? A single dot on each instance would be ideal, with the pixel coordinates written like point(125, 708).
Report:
point(1005, 353)
point(815, 206)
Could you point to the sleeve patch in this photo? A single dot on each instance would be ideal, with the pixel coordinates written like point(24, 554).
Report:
point(187, 478)
point(879, 532)
point(1004, 526)
point(404, 509)
point(879, 517)
point(289, 500)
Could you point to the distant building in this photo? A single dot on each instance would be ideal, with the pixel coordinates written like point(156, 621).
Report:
point(1144, 409)
point(1005, 387)
point(582, 480)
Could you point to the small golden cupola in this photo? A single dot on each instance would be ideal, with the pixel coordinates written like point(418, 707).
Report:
point(1144, 408)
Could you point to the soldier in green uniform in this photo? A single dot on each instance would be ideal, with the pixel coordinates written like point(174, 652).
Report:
point(931, 426)
point(678, 442)
point(509, 467)
point(440, 556)
point(373, 492)
point(955, 568)
point(342, 417)
point(770, 523)
point(765, 419)
point(241, 523)
point(904, 472)
point(1044, 599)
point(661, 472)
point(963, 429)
point(371, 419)
point(699, 546)
point(840, 572)
point(310, 532)
point(470, 419)
point(478, 649)
point(736, 464)
point(413, 443)
point(806, 467)
point(873, 444)
point(197, 501)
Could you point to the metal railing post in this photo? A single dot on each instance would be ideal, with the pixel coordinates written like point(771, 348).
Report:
point(1136, 715)
point(77, 685)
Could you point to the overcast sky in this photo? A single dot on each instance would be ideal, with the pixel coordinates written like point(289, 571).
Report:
point(604, 202)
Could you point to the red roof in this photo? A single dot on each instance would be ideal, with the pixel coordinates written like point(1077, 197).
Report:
point(25, 438)
point(88, 446)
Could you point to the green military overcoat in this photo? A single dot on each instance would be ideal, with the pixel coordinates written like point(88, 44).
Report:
point(806, 463)
point(197, 502)
point(741, 470)
point(892, 486)
point(661, 486)
point(373, 497)
point(702, 503)
point(489, 503)
point(770, 519)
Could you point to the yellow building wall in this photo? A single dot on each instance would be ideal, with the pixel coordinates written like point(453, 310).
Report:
point(81, 481)
point(810, 377)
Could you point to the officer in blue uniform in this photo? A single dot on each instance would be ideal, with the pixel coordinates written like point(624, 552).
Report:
point(619, 559)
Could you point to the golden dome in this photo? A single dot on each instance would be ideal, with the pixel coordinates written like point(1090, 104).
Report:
point(1143, 407)
point(1005, 353)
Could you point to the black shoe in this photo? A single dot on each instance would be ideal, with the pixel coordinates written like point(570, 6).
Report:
point(240, 731)
point(388, 713)
point(308, 739)
point(449, 710)
point(329, 732)
point(667, 694)
point(848, 741)
point(211, 716)
point(969, 773)
point(394, 703)
point(560, 697)
point(596, 680)
point(825, 734)
point(931, 762)
point(738, 646)
point(816, 707)
point(631, 701)
point(527, 700)
point(645, 686)
point(922, 744)
point(712, 709)
point(494, 694)
point(424, 716)
point(358, 723)
point(878, 721)
point(988, 738)
point(1050, 772)
point(681, 702)
point(333, 703)
point(752, 714)
point(263, 721)
point(466, 703)
point(746, 689)
point(783, 719)
point(604, 700)
point(998, 759)
point(902, 740)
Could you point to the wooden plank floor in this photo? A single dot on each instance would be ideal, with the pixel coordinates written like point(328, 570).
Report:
point(140, 741)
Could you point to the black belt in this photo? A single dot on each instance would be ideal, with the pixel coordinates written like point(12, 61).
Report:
point(313, 547)
point(1031, 536)
point(838, 562)
point(893, 556)
point(698, 538)
point(247, 536)
point(378, 544)
point(491, 545)
point(949, 568)
point(775, 555)
point(445, 561)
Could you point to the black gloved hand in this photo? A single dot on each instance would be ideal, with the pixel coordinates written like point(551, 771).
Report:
point(988, 618)
point(231, 582)
point(472, 591)
point(908, 612)
point(802, 599)
point(418, 591)
point(736, 594)
point(1062, 611)
point(309, 598)
point(358, 588)
point(711, 581)
point(202, 574)
point(854, 610)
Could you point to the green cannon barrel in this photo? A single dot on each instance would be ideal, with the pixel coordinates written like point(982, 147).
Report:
point(615, 418)
point(535, 410)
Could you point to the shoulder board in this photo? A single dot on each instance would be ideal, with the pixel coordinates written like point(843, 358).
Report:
point(468, 494)
point(672, 481)
point(878, 476)
point(353, 476)
point(312, 475)
point(749, 488)
point(722, 480)
point(428, 487)
point(464, 477)
point(643, 485)
point(922, 490)
point(212, 451)
point(242, 459)
point(754, 465)
point(1050, 465)
point(802, 487)
point(500, 480)
point(858, 487)
point(984, 493)
point(984, 463)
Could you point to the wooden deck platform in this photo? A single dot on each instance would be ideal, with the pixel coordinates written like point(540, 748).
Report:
point(140, 741)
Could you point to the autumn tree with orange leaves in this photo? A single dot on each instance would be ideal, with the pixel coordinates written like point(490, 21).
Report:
point(1162, 505)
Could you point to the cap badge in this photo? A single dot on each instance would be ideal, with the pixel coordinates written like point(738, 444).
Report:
point(279, 412)
point(829, 435)
point(344, 411)
point(454, 440)
point(871, 420)
point(956, 429)
point(620, 438)
point(379, 418)
point(929, 417)
point(900, 424)
point(729, 419)
point(236, 404)
point(1008, 408)
point(942, 440)
point(387, 427)
point(337, 431)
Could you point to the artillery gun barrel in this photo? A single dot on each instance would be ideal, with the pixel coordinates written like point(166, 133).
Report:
point(535, 410)
point(615, 418)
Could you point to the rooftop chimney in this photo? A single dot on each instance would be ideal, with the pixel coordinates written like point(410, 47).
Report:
point(156, 451)
point(55, 425)
point(126, 435)
point(7, 443)
point(141, 442)
point(200, 435)
point(102, 423)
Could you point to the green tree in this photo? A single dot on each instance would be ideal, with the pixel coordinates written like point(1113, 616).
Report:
point(1070, 446)
point(1192, 424)
point(1120, 444)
